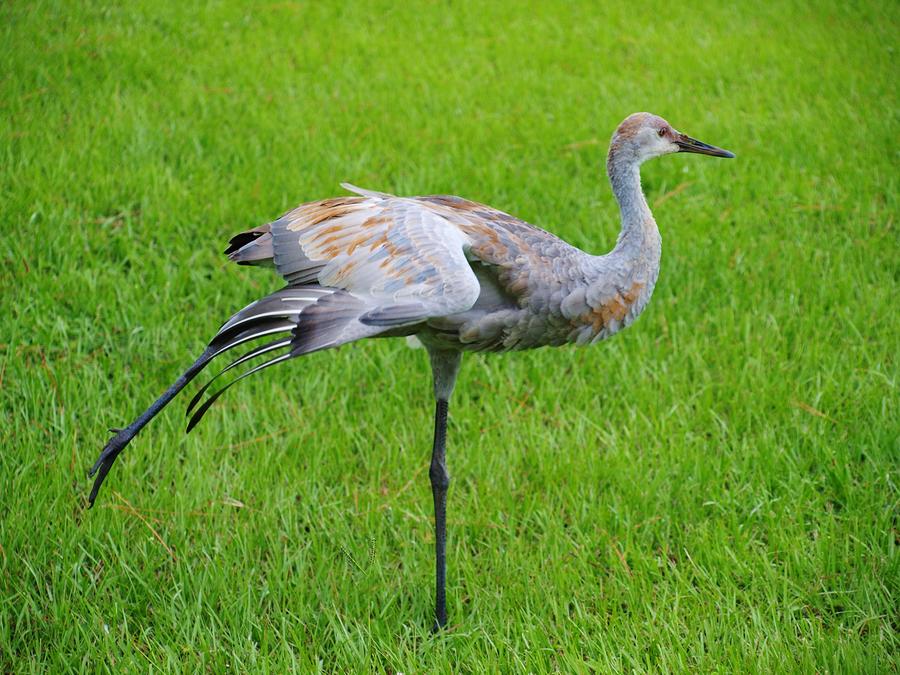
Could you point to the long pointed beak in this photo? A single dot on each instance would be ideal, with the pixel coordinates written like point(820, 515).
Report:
point(688, 144)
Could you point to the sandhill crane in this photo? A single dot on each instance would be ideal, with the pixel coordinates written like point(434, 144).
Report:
point(458, 275)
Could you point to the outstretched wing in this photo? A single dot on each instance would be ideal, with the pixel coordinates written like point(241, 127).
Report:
point(407, 259)
point(356, 267)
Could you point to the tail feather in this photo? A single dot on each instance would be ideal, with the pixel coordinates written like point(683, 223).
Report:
point(254, 247)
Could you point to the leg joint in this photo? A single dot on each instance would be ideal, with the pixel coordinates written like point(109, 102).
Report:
point(440, 478)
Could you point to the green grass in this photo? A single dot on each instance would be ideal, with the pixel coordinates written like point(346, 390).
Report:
point(714, 490)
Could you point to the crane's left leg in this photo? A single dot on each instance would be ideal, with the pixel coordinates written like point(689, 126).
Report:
point(444, 367)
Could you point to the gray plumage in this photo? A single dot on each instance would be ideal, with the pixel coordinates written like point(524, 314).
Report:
point(458, 275)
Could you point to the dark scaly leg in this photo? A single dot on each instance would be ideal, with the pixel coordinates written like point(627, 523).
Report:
point(444, 366)
point(440, 481)
point(123, 436)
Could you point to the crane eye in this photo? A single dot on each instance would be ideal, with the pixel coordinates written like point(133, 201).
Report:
point(662, 132)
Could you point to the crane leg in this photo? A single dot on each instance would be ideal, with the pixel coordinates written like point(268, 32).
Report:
point(440, 481)
point(123, 436)
point(444, 367)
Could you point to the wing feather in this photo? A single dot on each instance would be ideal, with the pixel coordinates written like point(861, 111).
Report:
point(388, 251)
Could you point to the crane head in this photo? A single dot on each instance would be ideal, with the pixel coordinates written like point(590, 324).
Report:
point(642, 136)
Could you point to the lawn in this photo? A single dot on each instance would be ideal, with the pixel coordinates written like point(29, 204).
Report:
point(713, 490)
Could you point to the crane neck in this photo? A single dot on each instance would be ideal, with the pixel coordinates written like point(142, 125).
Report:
point(619, 284)
point(639, 239)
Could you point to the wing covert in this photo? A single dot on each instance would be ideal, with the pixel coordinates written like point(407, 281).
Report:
point(405, 259)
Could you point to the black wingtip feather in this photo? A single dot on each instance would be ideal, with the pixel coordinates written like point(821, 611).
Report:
point(196, 398)
point(201, 411)
point(262, 349)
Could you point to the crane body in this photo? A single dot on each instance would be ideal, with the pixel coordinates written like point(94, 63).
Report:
point(458, 275)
